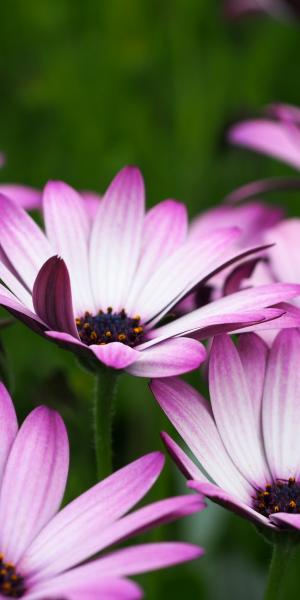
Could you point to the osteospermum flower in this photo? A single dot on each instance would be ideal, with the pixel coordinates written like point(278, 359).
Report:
point(107, 296)
point(248, 440)
point(41, 548)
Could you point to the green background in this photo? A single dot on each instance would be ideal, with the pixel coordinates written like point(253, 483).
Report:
point(86, 88)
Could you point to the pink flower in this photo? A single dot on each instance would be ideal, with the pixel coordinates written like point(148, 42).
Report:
point(42, 550)
point(119, 278)
point(247, 440)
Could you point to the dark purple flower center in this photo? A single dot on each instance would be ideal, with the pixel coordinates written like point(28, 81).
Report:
point(11, 584)
point(107, 327)
point(281, 496)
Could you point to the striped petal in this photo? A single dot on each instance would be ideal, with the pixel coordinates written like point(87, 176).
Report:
point(281, 406)
point(23, 242)
point(67, 226)
point(52, 296)
point(116, 239)
point(34, 480)
point(232, 407)
point(191, 415)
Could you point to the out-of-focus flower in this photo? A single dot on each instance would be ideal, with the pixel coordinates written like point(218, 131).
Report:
point(42, 550)
point(277, 134)
point(247, 440)
point(281, 9)
point(107, 296)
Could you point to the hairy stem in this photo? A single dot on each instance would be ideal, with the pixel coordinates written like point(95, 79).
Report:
point(104, 397)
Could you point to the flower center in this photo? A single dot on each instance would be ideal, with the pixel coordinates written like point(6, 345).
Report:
point(11, 584)
point(280, 496)
point(109, 326)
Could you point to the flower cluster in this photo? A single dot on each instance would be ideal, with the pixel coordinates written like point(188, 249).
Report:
point(127, 289)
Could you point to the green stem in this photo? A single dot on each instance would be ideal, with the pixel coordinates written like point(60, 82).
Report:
point(282, 553)
point(104, 396)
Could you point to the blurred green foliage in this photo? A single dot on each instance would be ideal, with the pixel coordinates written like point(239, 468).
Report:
point(86, 88)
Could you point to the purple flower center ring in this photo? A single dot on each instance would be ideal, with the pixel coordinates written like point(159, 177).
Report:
point(281, 496)
point(106, 327)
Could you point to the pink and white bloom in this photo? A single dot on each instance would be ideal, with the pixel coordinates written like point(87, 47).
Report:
point(247, 440)
point(106, 294)
point(44, 550)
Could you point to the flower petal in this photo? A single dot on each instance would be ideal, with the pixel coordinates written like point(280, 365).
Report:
point(15, 286)
point(229, 501)
point(191, 415)
point(268, 137)
point(286, 520)
point(253, 353)
point(192, 262)
point(256, 188)
point(235, 279)
point(92, 202)
point(116, 239)
point(281, 407)
point(115, 355)
point(129, 561)
point(173, 357)
point(23, 242)
point(67, 226)
point(235, 305)
point(52, 296)
point(164, 230)
point(25, 196)
point(233, 411)
point(34, 480)
point(252, 218)
point(284, 255)
point(108, 588)
point(56, 546)
point(135, 523)
point(8, 426)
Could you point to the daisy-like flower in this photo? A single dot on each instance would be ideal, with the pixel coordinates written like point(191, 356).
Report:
point(105, 296)
point(43, 552)
point(247, 440)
